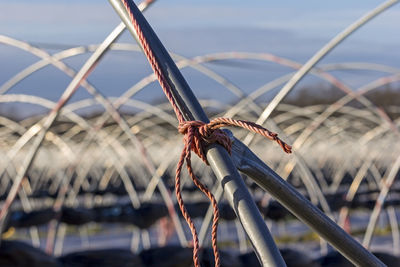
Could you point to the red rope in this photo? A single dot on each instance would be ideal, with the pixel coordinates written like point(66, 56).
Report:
point(190, 138)
point(197, 135)
point(153, 61)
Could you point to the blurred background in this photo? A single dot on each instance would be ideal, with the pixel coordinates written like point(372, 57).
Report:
point(88, 185)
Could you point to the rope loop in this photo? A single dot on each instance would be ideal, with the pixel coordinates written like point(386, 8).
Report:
point(197, 136)
point(204, 135)
point(208, 133)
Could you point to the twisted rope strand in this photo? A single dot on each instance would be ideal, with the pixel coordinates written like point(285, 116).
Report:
point(251, 126)
point(197, 135)
point(153, 61)
point(189, 141)
point(185, 152)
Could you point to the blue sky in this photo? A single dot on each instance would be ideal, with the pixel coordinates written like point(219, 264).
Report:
point(82, 20)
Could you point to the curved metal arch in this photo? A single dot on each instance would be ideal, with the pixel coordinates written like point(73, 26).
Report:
point(26, 205)
point(84, 49)
point(54, 138)
point(148, 108)
point(311, 118)
point(65, 54)
point(335, 106)
point(36, 128)
point(386, 127)
point(319, 55)
point(290, 112)
point(379, 130)
point(388, 182)
point(361, 66)
point(12, 125)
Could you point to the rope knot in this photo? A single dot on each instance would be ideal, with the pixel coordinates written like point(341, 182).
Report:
point(198, 135)
point(203, 134)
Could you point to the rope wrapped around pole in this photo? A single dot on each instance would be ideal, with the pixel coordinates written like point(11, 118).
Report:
point(197, 136)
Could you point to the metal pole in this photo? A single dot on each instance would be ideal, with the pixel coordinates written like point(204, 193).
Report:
point(236, 192)
point(248, 163)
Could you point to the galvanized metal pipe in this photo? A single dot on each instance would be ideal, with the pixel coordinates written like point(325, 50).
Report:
point(219, 159)
point(248, 163)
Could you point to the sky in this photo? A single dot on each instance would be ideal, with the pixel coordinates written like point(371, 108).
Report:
point(82, 20)
point(291, 29)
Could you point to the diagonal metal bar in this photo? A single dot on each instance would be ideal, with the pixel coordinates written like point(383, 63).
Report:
point(234, 187)
point(247, 162)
